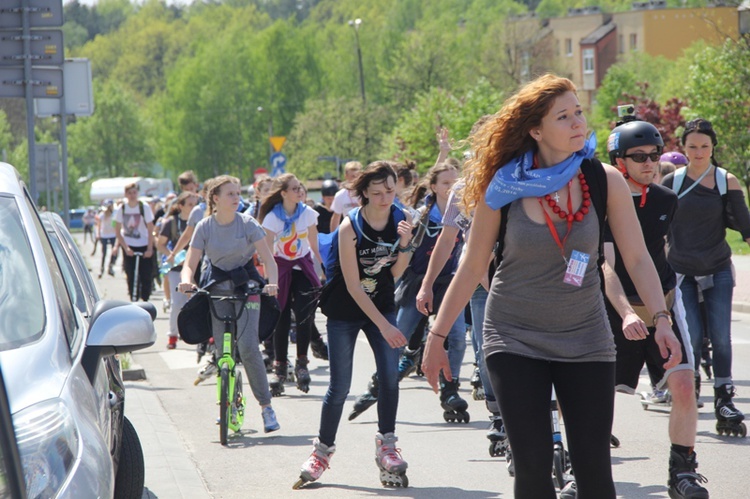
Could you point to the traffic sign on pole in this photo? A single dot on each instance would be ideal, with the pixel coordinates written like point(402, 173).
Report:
point(42, 13)
point(46, 47)
point(277, 143)
point(45, 82)
point(278, 164)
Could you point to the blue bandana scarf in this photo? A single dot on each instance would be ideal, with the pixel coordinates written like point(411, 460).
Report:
point(279, 211)
point(517, 179)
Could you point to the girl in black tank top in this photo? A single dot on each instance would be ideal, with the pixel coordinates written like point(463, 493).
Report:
point(374, 250)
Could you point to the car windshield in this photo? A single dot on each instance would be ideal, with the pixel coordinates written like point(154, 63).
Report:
point(21, 306)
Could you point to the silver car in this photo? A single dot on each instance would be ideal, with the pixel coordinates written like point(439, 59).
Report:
point(57, 347)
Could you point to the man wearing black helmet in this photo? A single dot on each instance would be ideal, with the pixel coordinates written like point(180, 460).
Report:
point(327, 191)
point(634, 148)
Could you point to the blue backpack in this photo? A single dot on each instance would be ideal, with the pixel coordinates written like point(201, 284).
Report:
point(328, 244)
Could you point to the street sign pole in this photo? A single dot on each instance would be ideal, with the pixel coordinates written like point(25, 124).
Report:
point(64, 140)
point(26, 27)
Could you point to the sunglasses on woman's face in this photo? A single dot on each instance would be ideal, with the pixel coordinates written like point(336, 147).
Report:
point(641, 157)
point(296, 188)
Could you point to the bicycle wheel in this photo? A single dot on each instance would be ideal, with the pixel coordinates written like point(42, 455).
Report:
point(238, 403)
point(224, 405)
point(558, 467)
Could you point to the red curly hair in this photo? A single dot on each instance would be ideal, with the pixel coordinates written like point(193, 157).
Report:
point(506, 134)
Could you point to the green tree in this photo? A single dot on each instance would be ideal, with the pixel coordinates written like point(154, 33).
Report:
point(623, 81)
point(114, 141)
point(718, 89)
point(331, 128)
point(414, 137)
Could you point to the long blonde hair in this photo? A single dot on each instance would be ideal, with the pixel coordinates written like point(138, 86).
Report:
point(213, 188)
point(505, 135)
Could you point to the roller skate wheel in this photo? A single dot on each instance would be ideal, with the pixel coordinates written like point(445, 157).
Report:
point(614, 441)
point(388, 479)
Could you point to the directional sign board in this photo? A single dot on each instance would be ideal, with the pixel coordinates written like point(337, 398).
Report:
point(278, 164)
point(47, 167)
point(48, 82)
point(79, 91)
point(46, 47)
point(44, 14)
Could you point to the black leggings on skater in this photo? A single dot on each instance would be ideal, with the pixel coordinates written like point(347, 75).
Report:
point(585, 392)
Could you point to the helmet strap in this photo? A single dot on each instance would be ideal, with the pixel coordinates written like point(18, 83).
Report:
point(644, 187)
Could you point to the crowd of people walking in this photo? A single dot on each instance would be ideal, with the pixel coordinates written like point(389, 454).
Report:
point(628, 260)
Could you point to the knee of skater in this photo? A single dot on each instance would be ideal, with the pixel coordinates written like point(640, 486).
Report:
point(682, 387)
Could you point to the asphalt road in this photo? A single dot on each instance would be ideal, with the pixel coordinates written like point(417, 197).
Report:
point(445, 460)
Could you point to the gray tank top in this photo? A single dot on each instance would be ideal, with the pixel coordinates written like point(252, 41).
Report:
point(530, 310)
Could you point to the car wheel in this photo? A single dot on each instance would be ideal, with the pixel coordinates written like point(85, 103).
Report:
point(131, 470)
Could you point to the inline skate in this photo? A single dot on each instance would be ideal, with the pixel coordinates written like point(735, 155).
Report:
point(388, 458)
point(208, 370)
point(477, 390)
point(698, 389)
point(276, 384)
point(367, 399)
point(684, 482)
point(454, 406)
point(656, 398)
point(302, 374)
point(728, 417)
point(407, 364)
point(316, 464)
point(497, 437)
point(319, 348)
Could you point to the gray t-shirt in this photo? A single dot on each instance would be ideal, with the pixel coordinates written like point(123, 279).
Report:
point(196, 215)
point(228, 246)
point(531, 312)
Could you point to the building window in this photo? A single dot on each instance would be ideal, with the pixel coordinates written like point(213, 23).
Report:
point(633, 42)
point(569, 47)
point(588, 61)
point(621, 44)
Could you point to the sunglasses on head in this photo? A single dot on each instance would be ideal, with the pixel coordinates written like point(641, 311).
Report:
point(700, 124)
point(641, 157)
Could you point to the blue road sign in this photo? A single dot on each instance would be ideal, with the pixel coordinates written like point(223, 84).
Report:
point(278, 163)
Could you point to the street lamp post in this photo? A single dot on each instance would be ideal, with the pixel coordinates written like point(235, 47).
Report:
point(356, 24)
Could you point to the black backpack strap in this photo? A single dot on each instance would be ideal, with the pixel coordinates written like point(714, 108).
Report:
point(500, 244)
point(596, 178)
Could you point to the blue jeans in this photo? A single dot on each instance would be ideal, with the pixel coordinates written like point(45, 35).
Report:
point(408, 319)
point(478, 303)
point(718, 303)
point(342, 336)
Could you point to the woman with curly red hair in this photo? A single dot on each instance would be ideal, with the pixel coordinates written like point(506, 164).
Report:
point(537, 191)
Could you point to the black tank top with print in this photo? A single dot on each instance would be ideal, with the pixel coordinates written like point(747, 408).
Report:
point(376, 253)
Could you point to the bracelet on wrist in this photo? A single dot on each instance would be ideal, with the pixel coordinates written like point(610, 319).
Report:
point(405, 249)
point(435, 334)
point(662, 313)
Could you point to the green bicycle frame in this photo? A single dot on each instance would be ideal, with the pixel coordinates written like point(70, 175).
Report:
point(227, 359)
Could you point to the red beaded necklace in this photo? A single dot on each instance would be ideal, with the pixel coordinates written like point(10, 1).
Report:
point(568, 215)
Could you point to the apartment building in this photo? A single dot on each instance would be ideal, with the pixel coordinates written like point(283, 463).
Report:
point(588, 41)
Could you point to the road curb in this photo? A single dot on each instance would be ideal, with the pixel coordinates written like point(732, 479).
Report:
point(741, 307)
point(134, 373)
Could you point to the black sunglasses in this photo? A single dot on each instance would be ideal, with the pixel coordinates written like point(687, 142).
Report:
point(700, 124)
point(640, 157)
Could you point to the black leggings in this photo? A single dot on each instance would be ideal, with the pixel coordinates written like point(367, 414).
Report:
point(301, 299)
point(585, 392)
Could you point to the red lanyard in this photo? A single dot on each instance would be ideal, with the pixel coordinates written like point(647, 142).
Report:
point(551, 226)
